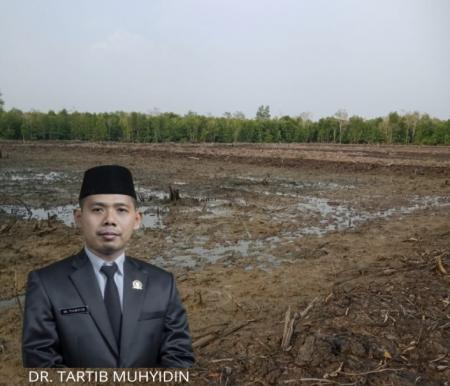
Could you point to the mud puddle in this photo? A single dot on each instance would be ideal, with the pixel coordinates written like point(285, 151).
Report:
point(311, 217)
point(29, 175)
point(340, 216)
point(285, 208)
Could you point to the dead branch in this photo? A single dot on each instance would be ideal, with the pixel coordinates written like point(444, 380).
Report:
point(334, 373)
point(371, 372)
point(263, 344)
point(288, 329)
point(307, 309)
point(211, 326)
point(204, 341)
point(320, 380)
point(440, 265)
point(287, 319)
point(289, 323)
point(438, 358)
point(221, 360)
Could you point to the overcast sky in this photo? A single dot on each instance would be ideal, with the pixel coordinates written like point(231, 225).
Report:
point(211, 56)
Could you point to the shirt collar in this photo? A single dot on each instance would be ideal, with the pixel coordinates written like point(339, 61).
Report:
point(98, 262)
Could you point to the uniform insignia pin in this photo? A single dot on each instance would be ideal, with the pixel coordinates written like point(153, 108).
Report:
point(137, 285)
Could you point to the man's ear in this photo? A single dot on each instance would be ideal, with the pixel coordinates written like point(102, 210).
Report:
point(138, 220)
point(77, 217)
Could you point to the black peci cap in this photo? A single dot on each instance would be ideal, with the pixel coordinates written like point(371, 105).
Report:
point(107, 179)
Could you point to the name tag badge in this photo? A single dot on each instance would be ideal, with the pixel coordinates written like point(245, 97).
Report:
point(74, 310)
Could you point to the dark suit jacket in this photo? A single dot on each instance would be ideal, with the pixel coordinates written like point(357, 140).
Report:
point(66, 322)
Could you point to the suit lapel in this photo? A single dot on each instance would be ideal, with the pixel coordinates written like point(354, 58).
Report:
point(133, 296)
point(86, 283)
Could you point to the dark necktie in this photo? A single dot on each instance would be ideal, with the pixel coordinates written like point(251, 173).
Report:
point(112, 300)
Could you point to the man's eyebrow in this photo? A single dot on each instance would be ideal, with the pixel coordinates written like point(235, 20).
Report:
point(122, 204)
point(97, 203)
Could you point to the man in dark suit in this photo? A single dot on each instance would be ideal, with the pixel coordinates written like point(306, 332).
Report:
point(100, 308)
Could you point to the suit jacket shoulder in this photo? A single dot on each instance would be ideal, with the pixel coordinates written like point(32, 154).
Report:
point(59, 266)
point(149, 268)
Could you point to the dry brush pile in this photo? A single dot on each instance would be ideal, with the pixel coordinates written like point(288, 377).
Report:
point(389, 325)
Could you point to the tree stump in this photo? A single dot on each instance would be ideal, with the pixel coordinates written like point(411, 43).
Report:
point(174, 194)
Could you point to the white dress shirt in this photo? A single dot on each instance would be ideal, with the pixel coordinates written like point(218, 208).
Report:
point(98, 262)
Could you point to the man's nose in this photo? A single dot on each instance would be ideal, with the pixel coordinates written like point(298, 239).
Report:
point(109, 218)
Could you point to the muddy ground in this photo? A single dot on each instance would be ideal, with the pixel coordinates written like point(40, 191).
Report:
point(347, 245)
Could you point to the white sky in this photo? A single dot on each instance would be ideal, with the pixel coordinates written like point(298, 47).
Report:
point(369, 57)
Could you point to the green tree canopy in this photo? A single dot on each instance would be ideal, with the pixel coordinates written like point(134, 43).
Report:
point(232, 127)
point(263, 112)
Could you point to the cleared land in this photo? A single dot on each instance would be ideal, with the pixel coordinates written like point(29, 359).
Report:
point(353, 240)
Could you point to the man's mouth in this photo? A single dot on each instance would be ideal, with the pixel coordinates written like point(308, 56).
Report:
point(108, 236)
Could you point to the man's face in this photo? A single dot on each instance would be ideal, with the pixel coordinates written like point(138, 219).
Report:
point(107, 222)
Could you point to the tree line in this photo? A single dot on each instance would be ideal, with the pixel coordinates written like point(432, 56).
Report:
point(411, 128)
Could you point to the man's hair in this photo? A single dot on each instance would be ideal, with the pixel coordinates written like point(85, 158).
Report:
point(135, 203)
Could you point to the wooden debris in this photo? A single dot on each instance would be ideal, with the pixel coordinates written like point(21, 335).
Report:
point(174, 194)
point(207, 339)
point(299, 381)
point(289, 322)
point(329, 296)
point(440, 265)
point(307, 309)
point(198, 297)
point(5, 228)
point(411, 239)
point(378, 370)
point(438, 358)
point(221, 325)
point(288, 329)
point(221, 360)
point(45, 231)
point(225, 375)
point(336, 372)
